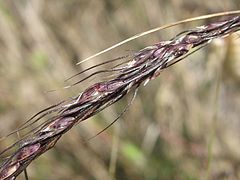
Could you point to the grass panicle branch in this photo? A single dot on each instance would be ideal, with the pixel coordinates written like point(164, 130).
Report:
point(144, 66)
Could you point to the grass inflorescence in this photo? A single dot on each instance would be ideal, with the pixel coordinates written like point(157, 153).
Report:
point(139, 69)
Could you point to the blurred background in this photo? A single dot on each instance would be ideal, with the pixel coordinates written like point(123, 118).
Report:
point(183, 125)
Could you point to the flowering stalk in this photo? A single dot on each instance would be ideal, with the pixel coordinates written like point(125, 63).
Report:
point(144, 66)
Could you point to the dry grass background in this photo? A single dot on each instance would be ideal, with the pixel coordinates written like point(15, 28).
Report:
point(183, 125)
